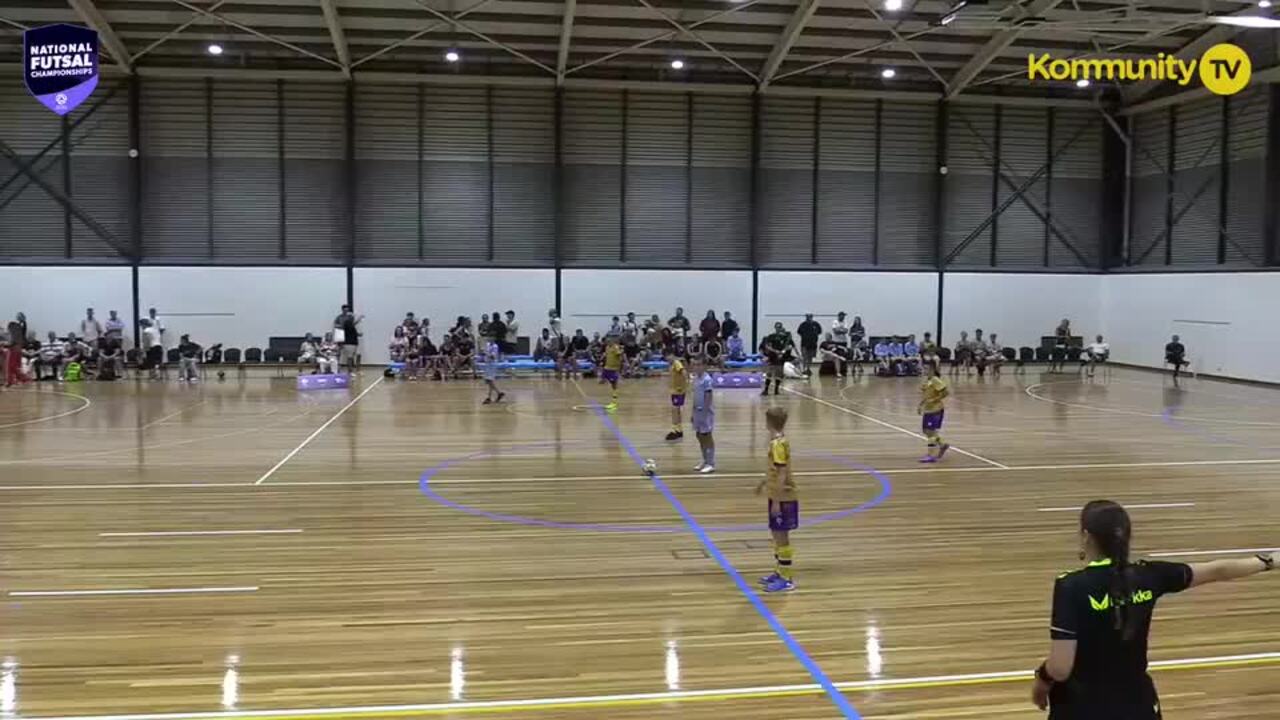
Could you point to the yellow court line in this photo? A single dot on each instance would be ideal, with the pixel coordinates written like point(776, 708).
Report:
point(661, 698)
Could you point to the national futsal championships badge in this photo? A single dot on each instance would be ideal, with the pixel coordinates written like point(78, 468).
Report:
point(60, 65)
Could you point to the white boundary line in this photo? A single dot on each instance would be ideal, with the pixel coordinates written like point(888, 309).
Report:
point(189, 533)
point(1133, 413)
point(37, 421)
point(1127, 506)
point(588, 700)
point(553, 478)
point(1200, 553)
point(319, 430)
point(172, 415)
point(891, 426)
point(136, 591)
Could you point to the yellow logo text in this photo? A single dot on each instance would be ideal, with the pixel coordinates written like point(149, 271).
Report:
point(1224, 69)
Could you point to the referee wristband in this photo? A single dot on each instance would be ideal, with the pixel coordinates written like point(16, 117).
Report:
point(1042, 674)
point(1268, 562)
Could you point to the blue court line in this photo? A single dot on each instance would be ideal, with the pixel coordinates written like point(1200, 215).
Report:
point(846, 709)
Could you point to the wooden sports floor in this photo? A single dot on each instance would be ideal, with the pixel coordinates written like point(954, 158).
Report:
point(398, 550)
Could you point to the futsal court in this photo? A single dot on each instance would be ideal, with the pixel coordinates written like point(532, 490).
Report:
point(241, 548)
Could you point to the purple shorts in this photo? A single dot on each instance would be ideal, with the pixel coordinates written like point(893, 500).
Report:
point(677, 400)
point(784, 514)
point(932, 422)
point(610, 376)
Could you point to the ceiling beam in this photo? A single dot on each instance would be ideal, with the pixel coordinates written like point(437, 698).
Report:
point(699, 39)
point(1266, 75)
point(92, 17)
point(566, 36)
point(995, 45)
point(803, 13)
point(339, 36)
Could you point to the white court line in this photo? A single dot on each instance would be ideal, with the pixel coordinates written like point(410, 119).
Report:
point(1200, 553)
point(1134, 413)
point(653, 697)
point(172, 415)
point(319, 430)
point(891, 426)
point(1142, 506)
point(37, 421)
point(463, 481)
point(186, 533)
point(136, 591)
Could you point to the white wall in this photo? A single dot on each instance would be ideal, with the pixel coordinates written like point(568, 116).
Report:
point(241, 307)
point(1021, 308)
point(55, 298)
point(589, 298)
point(384, 295)
point(888, 302)
point(1226, 320)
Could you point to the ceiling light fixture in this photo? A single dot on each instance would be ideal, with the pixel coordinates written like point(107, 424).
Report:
point(215, 49)
point(452, 56)
point(888, 73)
point(677, 64)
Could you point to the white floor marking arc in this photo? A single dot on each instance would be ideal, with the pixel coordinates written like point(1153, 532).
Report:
point(1135, 506)
point(193, 533)
point(87, 402)
point(891, 426)
point(134, 591)
point(654, 697)
point(319, 430)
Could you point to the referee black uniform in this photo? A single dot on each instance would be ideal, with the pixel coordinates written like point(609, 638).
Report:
point(1109, 679)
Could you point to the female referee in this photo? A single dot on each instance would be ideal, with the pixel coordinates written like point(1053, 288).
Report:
point(1097, 665)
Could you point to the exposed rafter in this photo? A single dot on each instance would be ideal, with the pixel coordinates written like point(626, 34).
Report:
point(566, 37)
point(457, 24)
point(339, 36)
point(92, 17)
point(245, 28)
point(995, 45)
point(803, 13)
point(699, 39)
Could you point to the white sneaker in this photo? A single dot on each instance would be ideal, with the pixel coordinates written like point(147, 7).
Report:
point(698, 467)
point(707, 469)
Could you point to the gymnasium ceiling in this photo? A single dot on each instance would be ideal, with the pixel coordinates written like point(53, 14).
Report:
point(786, 46)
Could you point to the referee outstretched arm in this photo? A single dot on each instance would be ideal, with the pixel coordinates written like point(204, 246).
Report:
point(1097, 664)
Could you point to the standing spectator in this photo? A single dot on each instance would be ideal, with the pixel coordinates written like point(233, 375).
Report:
point(981, 352)
point(410, 325)
point(21, 319)
point(188, 358)
point(1175, 354)
point(679, 322)
point(90, 328)
point(114, 329)
point(1061, 338)
point(349, 349)
point(728, 326)
point(154, 318)
point(14, 346)
point(615, 328)
point(856, 331)
point(50, 358)
point(630, 327)
point(512, 338)
point(497, 334)
point(483, 327)
point(709, 328)
point(809, 332)
point(153, 347)
point(840, 330)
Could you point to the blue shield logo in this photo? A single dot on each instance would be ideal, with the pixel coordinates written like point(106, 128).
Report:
point(60, 65)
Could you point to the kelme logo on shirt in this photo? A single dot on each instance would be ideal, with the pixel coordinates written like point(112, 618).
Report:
point(1138, 597)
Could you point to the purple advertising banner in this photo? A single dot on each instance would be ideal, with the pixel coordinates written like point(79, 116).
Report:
point(60, 65)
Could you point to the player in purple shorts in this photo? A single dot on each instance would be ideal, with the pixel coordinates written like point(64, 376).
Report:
point(679, 388)
point(932, 410)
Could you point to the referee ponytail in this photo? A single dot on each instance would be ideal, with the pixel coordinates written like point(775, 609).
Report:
point(1108, 524)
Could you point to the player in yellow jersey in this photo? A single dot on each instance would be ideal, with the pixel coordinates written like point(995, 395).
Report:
point(784, 504)
point(612, 369)
point(679, 387)
point(932, 410)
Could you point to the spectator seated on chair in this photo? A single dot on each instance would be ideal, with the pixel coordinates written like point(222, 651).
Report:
point(544, 349)
point(328, 355)
point(398, 349)
point(77, 352)
point(1097, 352)
point(928, 349)
point(308, 354)
point(189, 354)
point(736, 349)
point(911, 356)
point(48, 363)
point(883, 358)
point(995, 354)
point(897, 354)
point(837, 353)
point(110, 358)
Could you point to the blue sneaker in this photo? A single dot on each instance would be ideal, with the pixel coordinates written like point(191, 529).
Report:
point(769, 579)
point(780, 585)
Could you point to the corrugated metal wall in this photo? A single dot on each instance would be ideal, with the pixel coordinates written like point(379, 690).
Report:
point(240, 172)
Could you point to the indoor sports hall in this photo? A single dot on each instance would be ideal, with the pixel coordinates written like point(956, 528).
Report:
point(639, 359)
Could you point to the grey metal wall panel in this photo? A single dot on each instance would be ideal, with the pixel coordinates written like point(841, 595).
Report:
point(1196, 172)
point(1246, 181)
point(846, 182)
point(1024, 141)
point(32, 223)
point(1075, 188)
point(246, 172)
point(1150, 191)
point(314, 172)
point(592, 157)
point(455, 208)
point(785, 234)
point(721, 191)
point(908, 176)
point(176, 189)
point(387, 169)
point(657, 181)
point(967, 186)
point(524, 143)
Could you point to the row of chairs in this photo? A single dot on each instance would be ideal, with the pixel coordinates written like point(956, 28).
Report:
point(253, 356)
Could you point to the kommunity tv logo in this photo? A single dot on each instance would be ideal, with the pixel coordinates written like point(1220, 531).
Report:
point(1223, 69)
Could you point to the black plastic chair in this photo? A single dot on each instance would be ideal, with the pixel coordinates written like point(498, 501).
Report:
point(253, 356)
point(1026, 354)
point(231, 356)
point(944, 354)
point(1009, 353)
point(173, 356)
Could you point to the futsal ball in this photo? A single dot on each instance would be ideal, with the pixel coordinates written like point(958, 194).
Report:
point(650, 467)
point(222, 375)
